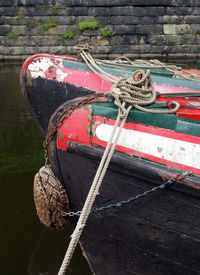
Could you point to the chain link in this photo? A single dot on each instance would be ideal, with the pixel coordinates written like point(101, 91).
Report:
point(86, 100)
point(179, 177)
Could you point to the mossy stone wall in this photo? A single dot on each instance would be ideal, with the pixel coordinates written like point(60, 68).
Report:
point(165, 29)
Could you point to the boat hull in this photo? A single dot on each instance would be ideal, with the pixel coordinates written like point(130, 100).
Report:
point(44, 96)
point(158, 234)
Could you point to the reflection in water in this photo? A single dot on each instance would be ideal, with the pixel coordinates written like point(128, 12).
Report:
point(26, 246)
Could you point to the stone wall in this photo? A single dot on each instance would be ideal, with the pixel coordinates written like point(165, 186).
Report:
point(164, 29)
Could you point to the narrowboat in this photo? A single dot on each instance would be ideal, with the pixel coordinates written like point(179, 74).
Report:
point(146, 215)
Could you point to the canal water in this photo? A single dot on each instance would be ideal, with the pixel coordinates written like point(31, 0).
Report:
point(26, 246)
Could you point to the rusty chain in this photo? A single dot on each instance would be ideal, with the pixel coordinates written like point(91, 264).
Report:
point(86, 100)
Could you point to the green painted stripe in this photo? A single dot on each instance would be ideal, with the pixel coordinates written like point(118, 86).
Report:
point(166, 121)
point(156, 71)
point(183, 94)
point(127, 73)
point(132, 68)
point(198, 64)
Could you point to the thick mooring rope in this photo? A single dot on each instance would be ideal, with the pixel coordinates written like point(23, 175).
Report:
point(139, 91)
point(94, 190)
point(177, 72)
point(136, 92)
point(83, 52)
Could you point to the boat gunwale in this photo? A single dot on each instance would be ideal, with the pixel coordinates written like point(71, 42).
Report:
point(136, 168)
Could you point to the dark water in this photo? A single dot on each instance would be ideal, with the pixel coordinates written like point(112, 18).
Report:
point(26, 246)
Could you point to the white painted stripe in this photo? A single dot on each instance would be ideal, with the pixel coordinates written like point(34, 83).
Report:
point(170, 149)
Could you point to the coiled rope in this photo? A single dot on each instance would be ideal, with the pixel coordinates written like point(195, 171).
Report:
point(134, 92)
point(138, 91)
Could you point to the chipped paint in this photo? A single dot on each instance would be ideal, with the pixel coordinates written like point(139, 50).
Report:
point(60, 137)
point(61, 75)
point(39, 66)
point(91, 125)
point(90, 113)
point(159, 149)
point(52, 70)
point(91, 129)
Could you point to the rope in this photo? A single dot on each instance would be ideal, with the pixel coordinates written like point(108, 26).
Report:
point(83, 52)
point(136, 92)
point(153, 63)
point(94, 190)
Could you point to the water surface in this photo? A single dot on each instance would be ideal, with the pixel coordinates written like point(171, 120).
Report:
point(27, 247)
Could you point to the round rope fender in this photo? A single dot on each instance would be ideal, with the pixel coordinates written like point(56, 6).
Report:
point(50, 198)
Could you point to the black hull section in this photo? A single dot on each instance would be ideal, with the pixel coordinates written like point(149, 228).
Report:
point(158, 234)
point(44, 96)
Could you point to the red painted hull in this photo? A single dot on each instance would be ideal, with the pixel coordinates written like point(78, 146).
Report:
point(75, 129)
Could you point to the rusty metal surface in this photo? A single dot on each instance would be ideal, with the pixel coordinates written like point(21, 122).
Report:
point(63, 112)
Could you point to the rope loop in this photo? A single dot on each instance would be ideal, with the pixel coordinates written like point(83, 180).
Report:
point(82, 48)
point(177, 72)
point(138, 91)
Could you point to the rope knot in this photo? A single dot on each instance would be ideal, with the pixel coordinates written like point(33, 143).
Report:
point(137, 91)
point(82, 48)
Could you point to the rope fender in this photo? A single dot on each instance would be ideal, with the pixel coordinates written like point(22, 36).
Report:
point(50, 198)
